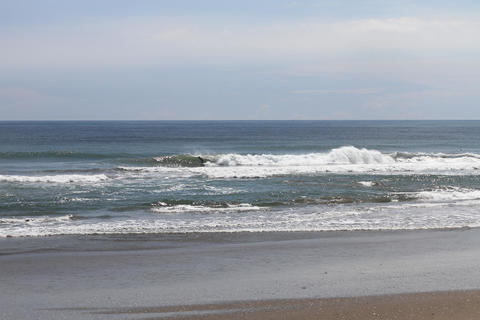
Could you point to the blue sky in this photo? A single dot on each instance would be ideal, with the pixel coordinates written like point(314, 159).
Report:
point(148, 60)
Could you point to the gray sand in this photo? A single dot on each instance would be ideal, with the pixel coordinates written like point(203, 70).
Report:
point(72, 277)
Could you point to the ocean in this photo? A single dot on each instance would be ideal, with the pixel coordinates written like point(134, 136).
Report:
point(164, 177)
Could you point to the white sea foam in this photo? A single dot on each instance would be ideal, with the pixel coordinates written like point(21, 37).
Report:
point(367, 183)
point(393, 216)
point(64, 178)
point(74, 199)
point(212, 190)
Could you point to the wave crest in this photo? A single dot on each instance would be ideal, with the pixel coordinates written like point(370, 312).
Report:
point(342, 155)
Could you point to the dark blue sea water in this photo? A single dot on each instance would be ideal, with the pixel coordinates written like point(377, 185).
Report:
point(233, 176)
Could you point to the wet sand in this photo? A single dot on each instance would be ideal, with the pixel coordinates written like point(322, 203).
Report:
point(243, 276)
point(461, 305)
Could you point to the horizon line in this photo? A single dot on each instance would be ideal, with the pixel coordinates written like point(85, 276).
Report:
point(218, 120)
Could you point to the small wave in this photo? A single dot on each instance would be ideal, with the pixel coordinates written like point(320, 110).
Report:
point(163, 207)
point(54, 154)
point(359, 199)
point(66, 178)
point(449, 194)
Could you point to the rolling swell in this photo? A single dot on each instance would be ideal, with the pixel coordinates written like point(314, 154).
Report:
point(182, 160)
point(57, 155)
point(176, 160)
point(341, 155)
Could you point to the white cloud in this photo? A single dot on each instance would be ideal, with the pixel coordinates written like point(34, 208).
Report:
point(371, 68)
point(166, 42)
point(337, 91)
point(19, 97)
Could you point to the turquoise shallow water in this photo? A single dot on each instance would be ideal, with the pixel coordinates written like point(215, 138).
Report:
point(231, 176)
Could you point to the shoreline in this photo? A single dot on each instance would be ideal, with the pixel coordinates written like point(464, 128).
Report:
point(92, 242)
point(75, 277)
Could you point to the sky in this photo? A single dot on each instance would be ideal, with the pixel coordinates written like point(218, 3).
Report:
point(239, 60)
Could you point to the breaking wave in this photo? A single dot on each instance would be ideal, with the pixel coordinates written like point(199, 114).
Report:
point(62, 178)
point(339, 156)
point(347, 155)
point(343, 160)
point(343, 155)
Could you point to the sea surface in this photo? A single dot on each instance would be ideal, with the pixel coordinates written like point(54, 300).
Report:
point(123, 177)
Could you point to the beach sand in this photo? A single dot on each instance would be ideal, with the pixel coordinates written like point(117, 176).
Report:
point(381, 275)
